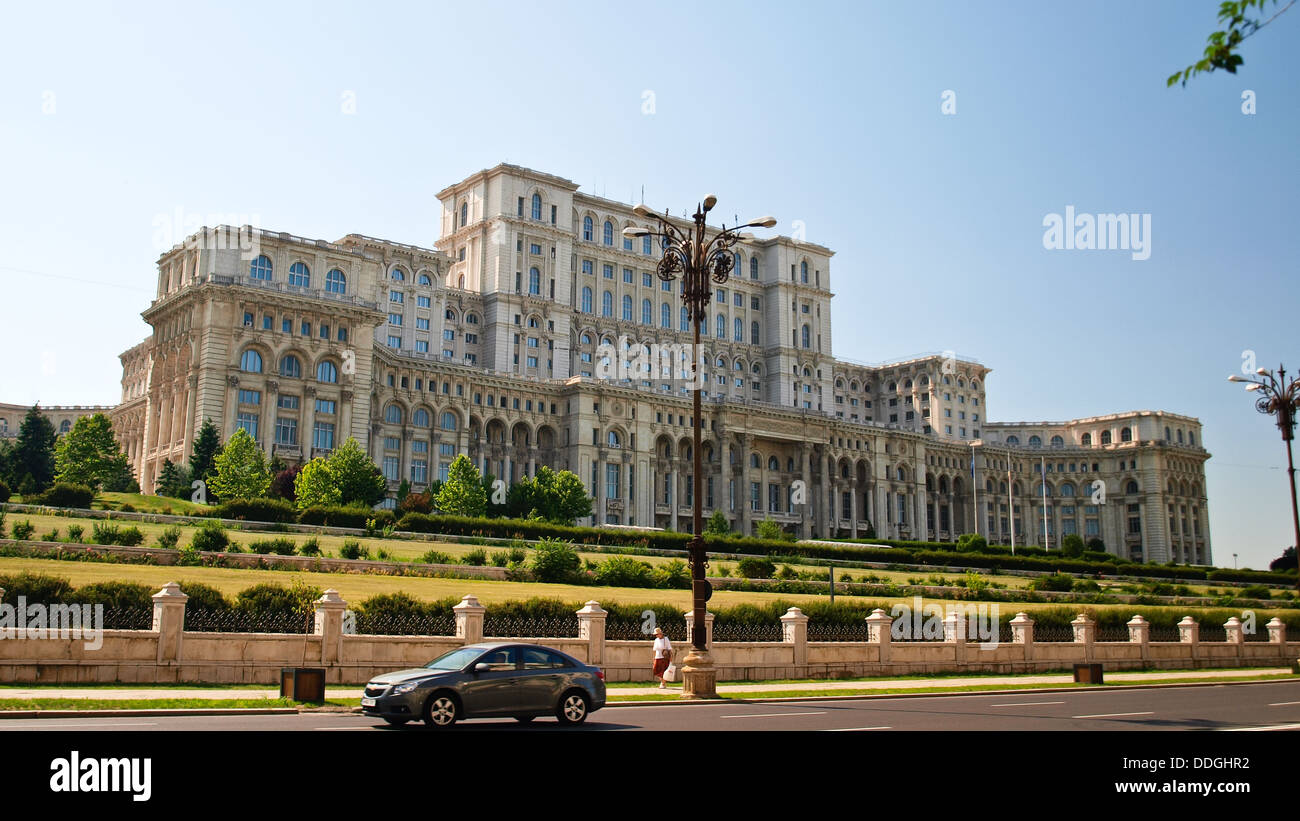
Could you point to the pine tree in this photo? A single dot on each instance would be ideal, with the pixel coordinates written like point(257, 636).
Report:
point(173, 480)
point(206, 447)
point(462, 494)
point(33, 455)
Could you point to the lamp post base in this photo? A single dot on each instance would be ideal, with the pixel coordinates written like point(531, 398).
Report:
point(699, 678)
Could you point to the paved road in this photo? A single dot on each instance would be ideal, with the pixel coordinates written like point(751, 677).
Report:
point(1208, 707)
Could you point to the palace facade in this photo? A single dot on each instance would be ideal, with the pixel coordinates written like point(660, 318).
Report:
point(492, 344)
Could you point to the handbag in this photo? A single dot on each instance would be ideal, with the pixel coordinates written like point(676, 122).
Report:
point(671, 673)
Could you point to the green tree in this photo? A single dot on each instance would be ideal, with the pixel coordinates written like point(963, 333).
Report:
point(33, 454)
point(718, 524)
point(493, 509)
point(555, 560)
point(768, 529)
point(359, 481)
point(462, 494)
point(173, 480)
point(207, 444)
point(1072, 545)
point(240, 470)
point(1221, 51)
point(571, 501)
point(315, 485)
point(1096, 544)
point(89, 455)
point(403, 490)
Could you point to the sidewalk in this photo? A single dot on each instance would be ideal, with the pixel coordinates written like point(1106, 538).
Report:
point(351, 693)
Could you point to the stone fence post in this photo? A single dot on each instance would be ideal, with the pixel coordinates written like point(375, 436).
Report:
point(591, 627)
point(690, 629)
point(1189, 632)
point(469, 620)
point(1276, 628)
point(1234, 633)
point(329, 626)
point(954, 633)
point(169, 621)
point(1139, 632)
point(794, 631)
point(1022, 633)
point(879, 632)
point(1085, 633)
point(2, 596)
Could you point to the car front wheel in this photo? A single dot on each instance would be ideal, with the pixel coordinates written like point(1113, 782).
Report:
point(441, 711)
point(573, 708)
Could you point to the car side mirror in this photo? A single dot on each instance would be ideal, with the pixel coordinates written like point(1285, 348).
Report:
point(482, 667)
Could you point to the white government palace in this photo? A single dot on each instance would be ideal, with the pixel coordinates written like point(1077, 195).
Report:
point(489, 344)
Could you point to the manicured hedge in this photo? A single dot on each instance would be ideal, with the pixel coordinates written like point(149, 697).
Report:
point(66, 494)
point(355, 517)
point(256, 510)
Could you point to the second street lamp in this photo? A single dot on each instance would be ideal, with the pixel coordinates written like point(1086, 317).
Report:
point(700, 260)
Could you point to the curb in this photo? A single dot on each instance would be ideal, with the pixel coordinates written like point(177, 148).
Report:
point(949, 693)
point(214, 711)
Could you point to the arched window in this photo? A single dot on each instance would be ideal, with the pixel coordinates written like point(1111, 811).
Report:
point(1044, 489)
point(722, 327)
point(1131, 488)
point(1126, 435)
point(1180, 437)
point(250, 361)
point(902, 474)
point(65, 426)
point(532, 322)
point(448, 421)
point(753, 267)
point(336, 282)
point(614, 440)
point(627, 307)
point(805, 336)
point(398, 275)
point(393, 415)
point(420, 418)
point(803, 272)
point(537, 206)
point(738, 332)
point(586, 339)
point(327, 372)
point(534, 281)
point(1105, 437)
point(299, 275)
point(608, 233)
point(1035, 441)
point(737, 265)
point(290, 366)
point(647, 312)
point(607, 304)
point(1087, 440)
point(1067, 489)
point(425, 280)
point(1058, 442)
point(586, 300)
point(464, 214)
point(1013, 440)
point(1169, 436)
point(754, 461)
point(472, 319)
point(685, 324)
point(260, 268)
point(773, 464)
point(1191, 438)
point(665, 315)
point(586, 229)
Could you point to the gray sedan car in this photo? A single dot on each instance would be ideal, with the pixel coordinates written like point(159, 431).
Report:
point(521, 681)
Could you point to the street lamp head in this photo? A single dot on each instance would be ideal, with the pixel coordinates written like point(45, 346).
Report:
point(764, 222)
point(1262, 371)
point(636, 231)
point(1235, 378)
point(644, 211)
point(1254, 388)
point(709, 202)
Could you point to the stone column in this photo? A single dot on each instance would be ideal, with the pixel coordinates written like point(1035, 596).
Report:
point(954, 633)
point(879, 625)
point(270, 403)
point(1276, 629)
point(1139, 632)
point(853, 506)
point(329, 626)
point(191, 396)
point(794, 631)
point(745, 514)
point(169, 622)
point(598, 514)
point(671, 479)
point(591, 627)
point(805, 473)
point(1022, 633)
point(1085, 633)
point(708, 628)
point(1189, 632)
point(469, 620)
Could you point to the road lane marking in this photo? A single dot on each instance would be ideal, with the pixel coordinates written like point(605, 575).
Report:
point(1283, 703)
point(1114, 715)
point(46, 722)
point(776, 715)
point(1027, 704)
point(343, 728)
point(1259, 729)
point(853, 729)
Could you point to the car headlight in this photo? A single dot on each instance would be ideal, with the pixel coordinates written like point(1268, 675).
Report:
point(405, 687)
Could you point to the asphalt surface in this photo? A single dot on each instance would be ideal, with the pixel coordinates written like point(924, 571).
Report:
point(1264, 705)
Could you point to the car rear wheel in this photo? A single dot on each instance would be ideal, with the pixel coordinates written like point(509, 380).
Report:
point(441, 711)
point(573, 708)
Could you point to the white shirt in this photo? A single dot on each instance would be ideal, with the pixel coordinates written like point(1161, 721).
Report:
point(662, 646)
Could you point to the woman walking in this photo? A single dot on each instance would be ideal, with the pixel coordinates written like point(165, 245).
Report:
point(663, 656)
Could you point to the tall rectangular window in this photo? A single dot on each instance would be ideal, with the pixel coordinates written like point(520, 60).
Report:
point(247, 421)
point(323, 436)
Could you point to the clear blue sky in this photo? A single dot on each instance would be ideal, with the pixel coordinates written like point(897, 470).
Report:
point(824, 113)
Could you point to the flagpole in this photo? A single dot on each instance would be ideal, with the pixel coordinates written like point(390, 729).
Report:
point(974, 487)
point(1011, 498)
point(1047, 539)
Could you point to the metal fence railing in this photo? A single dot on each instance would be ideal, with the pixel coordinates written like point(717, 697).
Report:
point(243, 621)
point(529, 628)
point(723, 631)
point(406, 625)
point(128, 618)
point(641, 630)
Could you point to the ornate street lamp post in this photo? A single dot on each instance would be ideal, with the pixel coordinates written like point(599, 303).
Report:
point(1279, 398)
point(700, 261)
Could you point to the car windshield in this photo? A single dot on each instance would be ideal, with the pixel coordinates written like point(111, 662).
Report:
point(455, 660)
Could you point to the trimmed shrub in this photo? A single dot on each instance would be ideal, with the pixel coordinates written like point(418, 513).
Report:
point(130, 536)
point(477, 557)
point(75, 532)
point(37, 588)
point(1058, 582)
point(280, 547)
point(277, 599)
point(5, 492)
point(23, 530)
point(673, 574)
point(104, 533)
point(170, 537)
point(352, 549)
point(555, 560)
point(437, 557)
point(354, 517)
point(204, 597)
point(311, 547)
point(116, 595)
point(65, 494)
point(210, 536)
point(256, 510)
point(755, 568)
point(624, 571)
